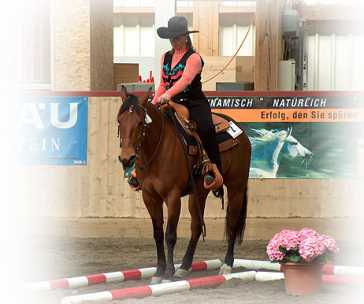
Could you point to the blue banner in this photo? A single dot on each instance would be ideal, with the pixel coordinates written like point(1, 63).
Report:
point(53, 130)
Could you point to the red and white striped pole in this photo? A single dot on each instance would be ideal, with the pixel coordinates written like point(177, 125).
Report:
point(158, 289)
point(326, 278)
point(342, 279)
point(327, 269)
point(118, 276)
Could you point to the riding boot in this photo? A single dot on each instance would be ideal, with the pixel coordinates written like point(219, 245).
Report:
point(213, 179)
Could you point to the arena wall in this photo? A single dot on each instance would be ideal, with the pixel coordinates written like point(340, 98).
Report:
point(95, 200)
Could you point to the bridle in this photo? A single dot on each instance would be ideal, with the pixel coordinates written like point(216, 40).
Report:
point(141, 136)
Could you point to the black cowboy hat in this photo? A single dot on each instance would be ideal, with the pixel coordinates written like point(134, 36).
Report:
point(177, 26)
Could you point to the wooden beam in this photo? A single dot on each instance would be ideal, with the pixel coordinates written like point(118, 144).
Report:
point(206, 20)
point(268, 44)
point(101, 36)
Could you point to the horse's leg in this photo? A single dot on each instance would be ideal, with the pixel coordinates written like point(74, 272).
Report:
point(155, 209)
point(174, 209)
point(196, 206)
point(235, 222)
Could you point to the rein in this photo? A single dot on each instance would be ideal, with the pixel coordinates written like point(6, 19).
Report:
point(141, 138)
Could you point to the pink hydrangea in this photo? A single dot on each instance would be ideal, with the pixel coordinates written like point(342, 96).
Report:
point(306, 243)
point(311, 248)
point(287, 239)
point(306, 232)
point(330, 243)
point(273, 251)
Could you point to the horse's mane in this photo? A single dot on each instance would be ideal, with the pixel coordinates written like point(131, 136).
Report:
point(260, 137)
point(132, 100)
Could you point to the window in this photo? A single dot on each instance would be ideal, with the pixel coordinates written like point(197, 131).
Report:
point(233, 28)
point(134, 36)
point(184, 4)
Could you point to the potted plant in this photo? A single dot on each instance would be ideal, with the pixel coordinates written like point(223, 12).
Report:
point(302, 255)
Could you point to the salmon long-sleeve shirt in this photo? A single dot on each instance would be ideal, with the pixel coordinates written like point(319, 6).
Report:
point(192, 68)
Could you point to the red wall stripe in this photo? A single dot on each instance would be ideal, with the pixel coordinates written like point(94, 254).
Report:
point(207, 93)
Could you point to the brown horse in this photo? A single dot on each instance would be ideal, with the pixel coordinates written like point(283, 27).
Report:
point(163, 168)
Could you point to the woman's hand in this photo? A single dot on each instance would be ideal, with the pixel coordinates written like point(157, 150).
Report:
point(164, 99)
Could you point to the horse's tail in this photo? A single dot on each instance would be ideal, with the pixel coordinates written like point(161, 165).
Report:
point(243, 215)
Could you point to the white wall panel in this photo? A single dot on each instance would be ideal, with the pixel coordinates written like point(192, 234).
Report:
point(231, 37)
point(131, 41)
point(358, 63)
point(335, 62)
point(324, 68)
point(147, 41)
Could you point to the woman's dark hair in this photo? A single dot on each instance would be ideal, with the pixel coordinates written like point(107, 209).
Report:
point(189, 43)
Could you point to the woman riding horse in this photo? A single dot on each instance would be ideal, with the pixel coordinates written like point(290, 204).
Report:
point(181, 83)
point(146, 133)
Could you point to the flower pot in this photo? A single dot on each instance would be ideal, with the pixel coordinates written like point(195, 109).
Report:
point(302, 279)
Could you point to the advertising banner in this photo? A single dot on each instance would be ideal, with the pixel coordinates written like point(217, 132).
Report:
point(53, 130)
point(299, 136)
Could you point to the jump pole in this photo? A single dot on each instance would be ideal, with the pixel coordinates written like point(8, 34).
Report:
point(118, 276)
point(158, 289)
point(327, 268)
point(326, 278)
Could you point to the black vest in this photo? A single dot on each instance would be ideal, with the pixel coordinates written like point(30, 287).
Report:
point(170, 76)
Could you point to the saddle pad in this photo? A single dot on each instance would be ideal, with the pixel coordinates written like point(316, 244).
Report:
point(221, 124)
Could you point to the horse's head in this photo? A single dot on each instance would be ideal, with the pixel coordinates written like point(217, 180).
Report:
point(132, 119)
point(271, 145)
point(293, 148)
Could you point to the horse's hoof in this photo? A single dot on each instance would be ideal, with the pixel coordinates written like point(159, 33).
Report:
point(155, 280)
point(225, 269)
point(181, 273)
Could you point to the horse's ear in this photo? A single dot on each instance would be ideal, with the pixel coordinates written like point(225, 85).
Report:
point(123, 93)
point(144, 98)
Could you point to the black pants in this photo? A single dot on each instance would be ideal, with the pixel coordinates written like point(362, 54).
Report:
point(200, 112)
